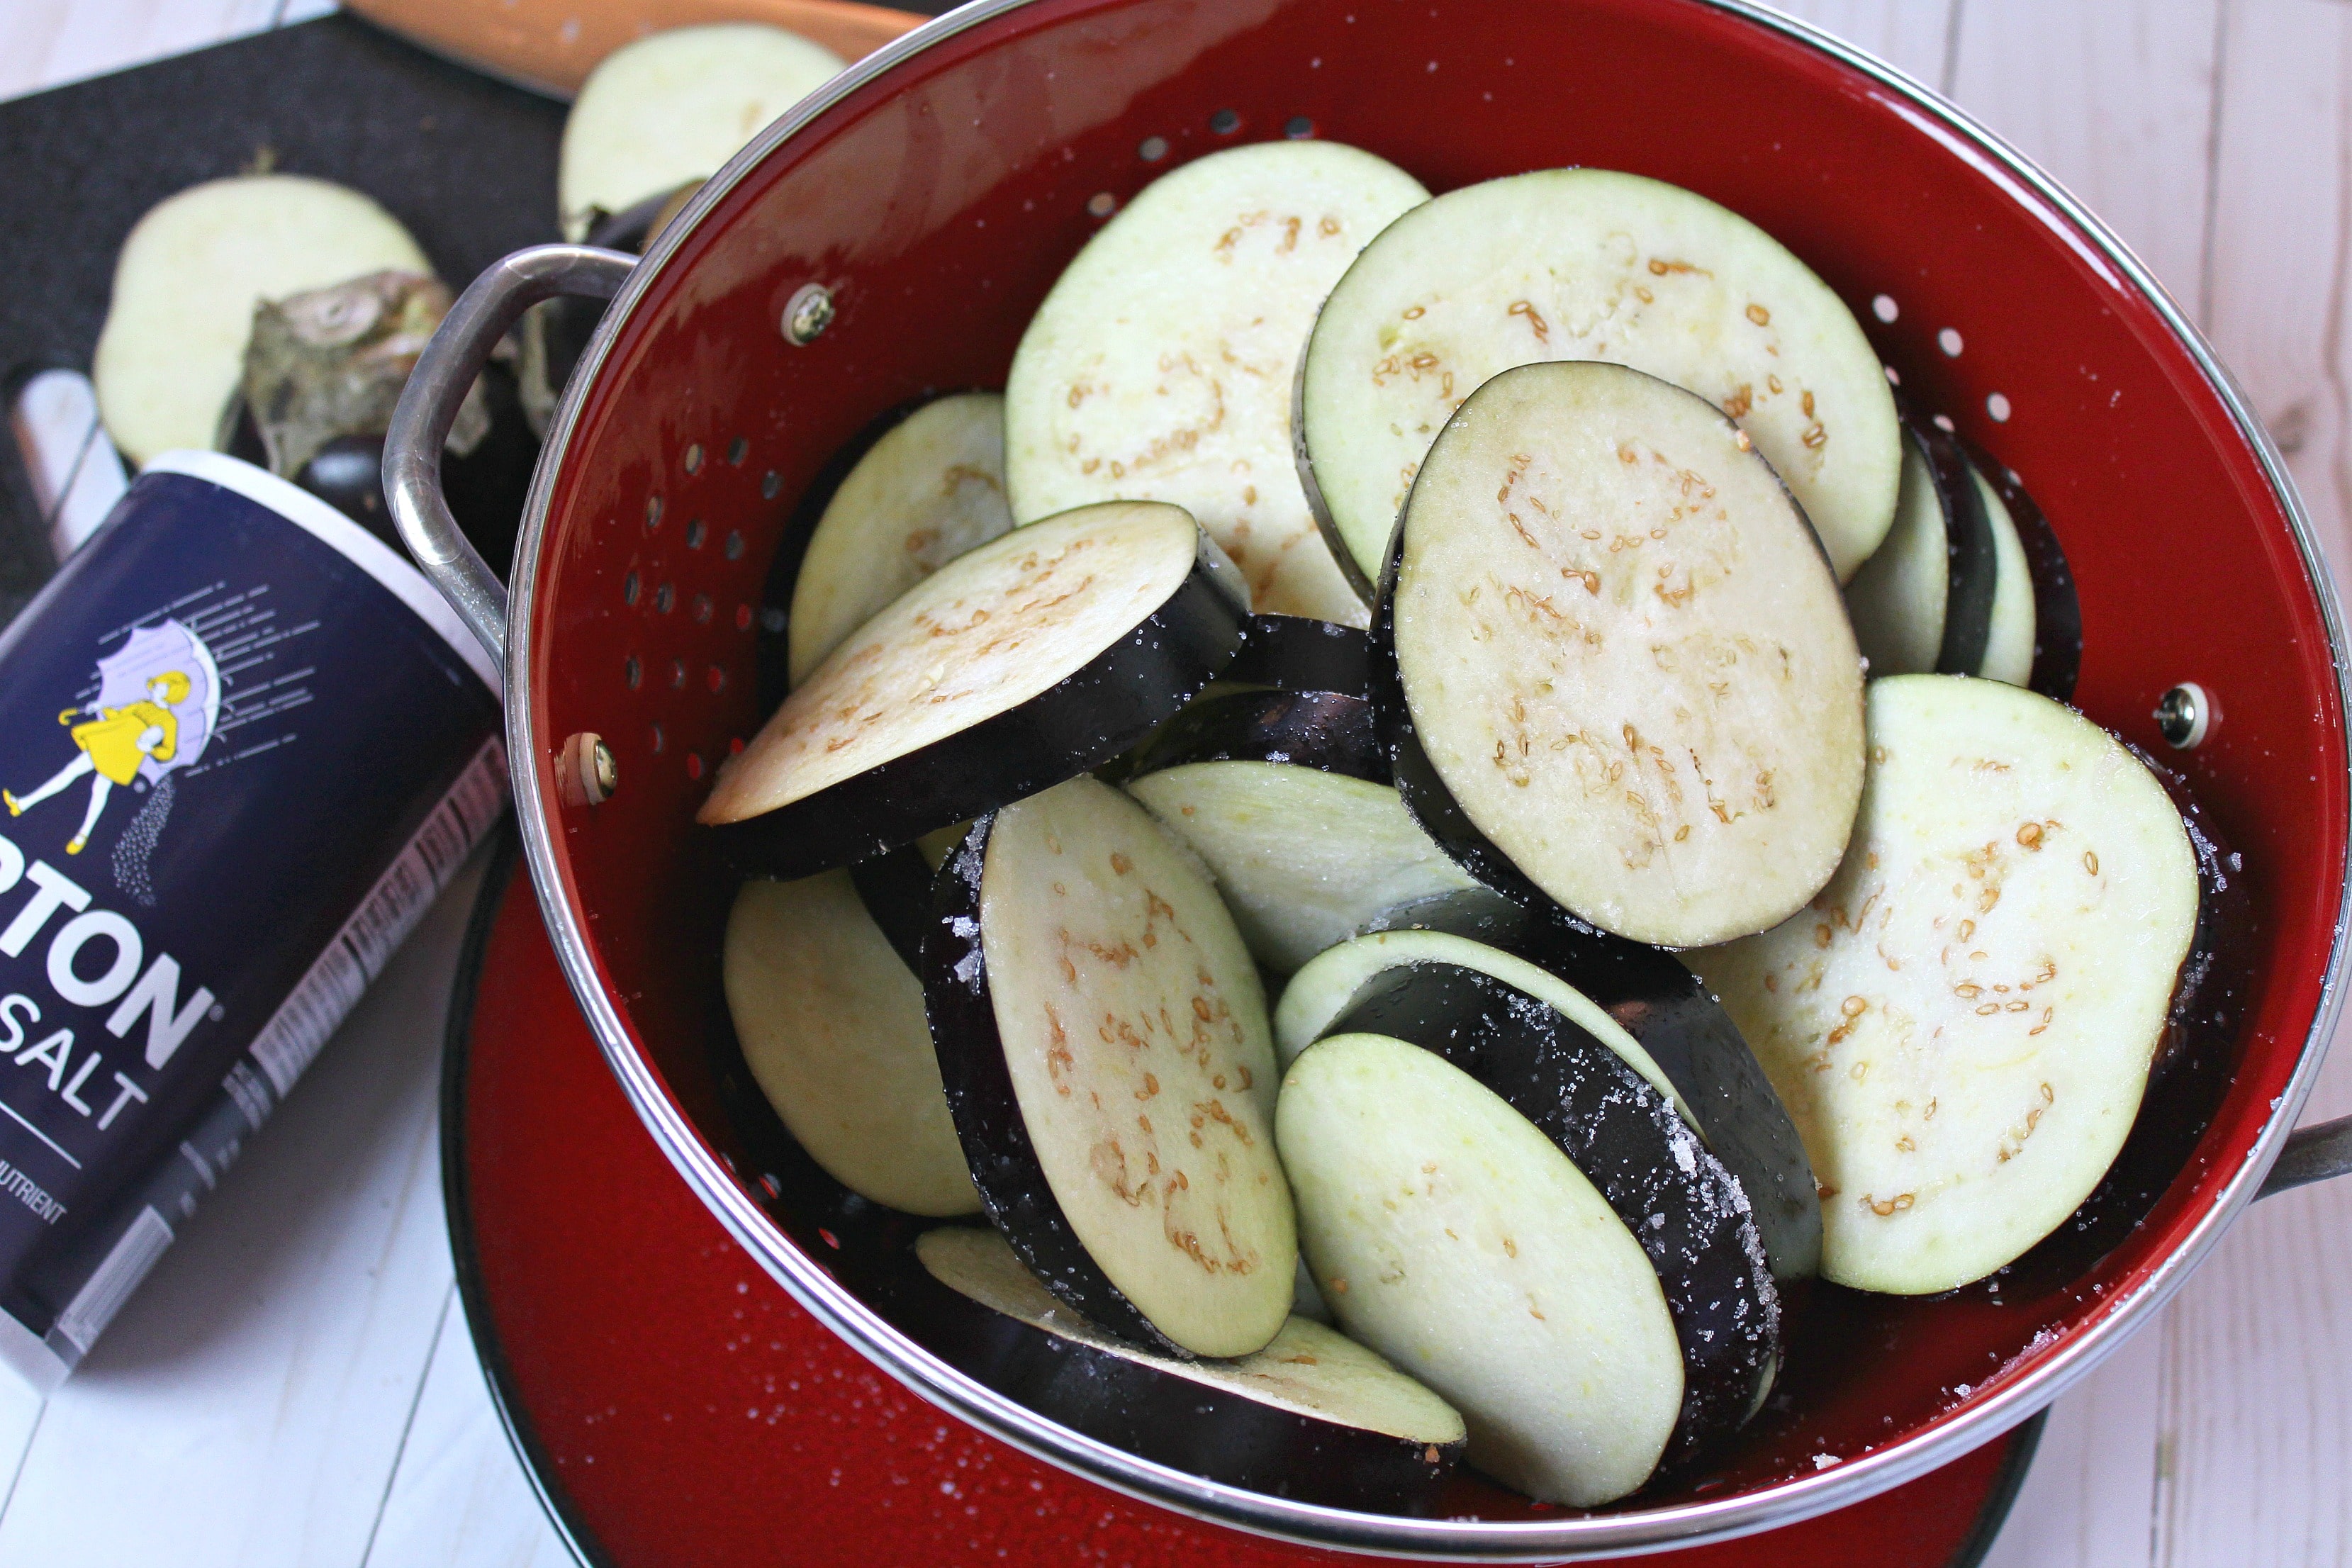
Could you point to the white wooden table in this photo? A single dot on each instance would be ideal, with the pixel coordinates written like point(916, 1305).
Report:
point(295, 1385)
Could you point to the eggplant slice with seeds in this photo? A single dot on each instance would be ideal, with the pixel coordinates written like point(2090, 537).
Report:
point(1588, 264)
point(1450, 1234)
point(931, 488)
point(1639, 1001)
point(1023, 663)
point(1689, 1214)
point(1160, 365)
point(1612, 669)
point(1314, 1415)
point(1102, 1034)
point(1284, 797)
point(1962, 1024)
point(831, 1021)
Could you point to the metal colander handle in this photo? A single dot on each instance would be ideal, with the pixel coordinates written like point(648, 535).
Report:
point(428, 405)
point(2311, 1153)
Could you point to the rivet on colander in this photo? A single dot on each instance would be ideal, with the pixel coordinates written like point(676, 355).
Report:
point(2185, 716)
point(586, 774)
point(808, 315)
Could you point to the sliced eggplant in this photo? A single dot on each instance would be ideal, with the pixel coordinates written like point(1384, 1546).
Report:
point(1160, 368)
point(1638, 1002)
point(190, 273)
point(1102, 1035)
point(1896, 600)
point(1962, 1023)
point(1284, 796)
point(1313, 1416)
point(1453, 1235)
point(673, 107)
point(1611, 664)
point(1027, 660)
point(831, 1021)
point(1688, 1212)
point(2009, 624)
point(2057, 613)
point(1298, 653)
point(1587, 264)
point(928, 491)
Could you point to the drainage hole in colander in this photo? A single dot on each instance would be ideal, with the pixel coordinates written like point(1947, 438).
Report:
point(1102, 204)
point(694, 458)
point(732, 545)
point(693, 765)
point(702, 608)
point(1998, 407)
point(1224, 122)
point(653, 512)
point(1949, 342)
point(742, 617)
point(664, 598)
point(1885, 307)
point(1299, 128)
point(656, 739)
point(736, 450)
point(677, 675)
point(695, 532)
point(1894, 376)
point(633, 672)
point(734, 745)
point(1153, 149)
point(629, 589)
point(769, 483)
point(1944, 423)
point(715, 679)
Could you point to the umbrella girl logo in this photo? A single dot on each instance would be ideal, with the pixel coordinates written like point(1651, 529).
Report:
point(158, 704)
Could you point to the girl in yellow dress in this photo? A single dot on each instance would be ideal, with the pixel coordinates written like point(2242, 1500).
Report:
point(112, 746)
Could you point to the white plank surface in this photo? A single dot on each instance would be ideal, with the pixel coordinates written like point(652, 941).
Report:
point(294, 1384)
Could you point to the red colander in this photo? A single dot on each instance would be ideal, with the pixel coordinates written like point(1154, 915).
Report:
point(888, 239)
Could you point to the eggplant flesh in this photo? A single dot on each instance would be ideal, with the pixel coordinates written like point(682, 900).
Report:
point(193, 268)
point(930, 489)
point(673, 107)
point(1616, 670)
point(832, 1025)
point(1897, 599)
point(2009, 627)
point(1591, 264)
point(1024, 662)
point(1160, 364)
point(1963, 1022)
point(1641, 1003)
point(1452, 1236)
point(1314, 1415)
point(1690, 1215)
point(1102, 1035)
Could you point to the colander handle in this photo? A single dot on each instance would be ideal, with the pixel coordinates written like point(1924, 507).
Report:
point(428, 405)
point(2312, 1154)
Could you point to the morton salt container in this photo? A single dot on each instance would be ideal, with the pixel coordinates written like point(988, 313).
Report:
point(242, 746)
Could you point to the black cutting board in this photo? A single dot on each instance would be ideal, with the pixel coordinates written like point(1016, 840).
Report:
point(467, 163)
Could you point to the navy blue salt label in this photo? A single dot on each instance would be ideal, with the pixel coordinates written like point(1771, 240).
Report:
point(242, 747)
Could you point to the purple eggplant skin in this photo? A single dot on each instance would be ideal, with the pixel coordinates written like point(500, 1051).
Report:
point(1171, 1420)
point(1325, 731)
point(961, 1011)
point(1298, 653)
point(896, 890)
point(1974, 564)
point(2057, 611)
point(1672, 1016)
point(1689, 1214)
point(1082, 721)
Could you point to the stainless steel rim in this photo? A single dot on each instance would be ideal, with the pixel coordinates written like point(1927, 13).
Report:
point(1654, 1529)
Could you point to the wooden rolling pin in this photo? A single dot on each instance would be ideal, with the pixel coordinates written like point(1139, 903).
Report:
point(551, 46)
